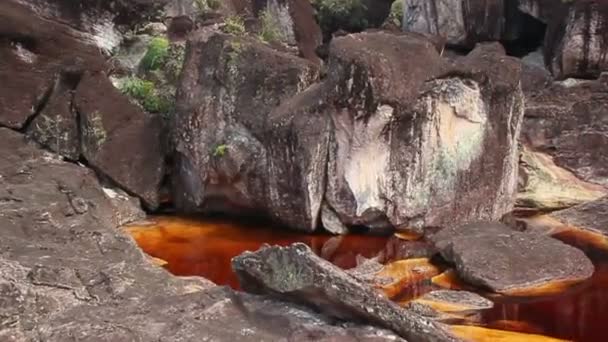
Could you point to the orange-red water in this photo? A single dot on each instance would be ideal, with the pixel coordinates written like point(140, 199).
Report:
point(205, 247)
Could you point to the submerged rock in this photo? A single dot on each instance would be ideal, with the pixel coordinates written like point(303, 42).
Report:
point(296, 273)
point(506, 261)
point(446, 305)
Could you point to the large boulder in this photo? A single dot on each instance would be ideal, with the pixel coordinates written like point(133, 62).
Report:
point(67, 271)
point(395, 136)
point(296, 273)
point(493, 256)
point(229, 145)
point(417, 141)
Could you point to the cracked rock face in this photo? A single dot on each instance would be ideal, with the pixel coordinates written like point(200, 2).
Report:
point(61, 97)
point(395, 136)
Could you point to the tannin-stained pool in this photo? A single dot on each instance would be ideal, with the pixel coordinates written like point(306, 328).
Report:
point(205, 247)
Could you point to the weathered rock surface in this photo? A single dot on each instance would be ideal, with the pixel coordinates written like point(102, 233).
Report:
point(590, 217)
point(296, 23)
point(296, 273)
point(33, 55)
point(230, 147)
point(67, 272)
point(569, 122)
point(462, 22)
point(119, 139)
point(54, 87)
point(576, 42)
point(511, 262)
point(420, 150)
point(378, 149)
point(446, 305)
point(546, 186)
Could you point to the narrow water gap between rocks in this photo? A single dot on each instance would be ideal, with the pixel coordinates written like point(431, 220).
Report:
point(204, 246)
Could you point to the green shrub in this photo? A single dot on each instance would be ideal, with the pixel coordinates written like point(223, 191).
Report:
point(333, 15)
point(146, 94)
point(220, 150)
point(156, 55)
point(396, 15)
point(270, 28)
point(234, 25)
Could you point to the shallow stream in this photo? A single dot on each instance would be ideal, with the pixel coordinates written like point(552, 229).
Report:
point(204, 247)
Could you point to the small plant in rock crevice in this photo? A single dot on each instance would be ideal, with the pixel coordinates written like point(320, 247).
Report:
point(270, 30)
point(234, 25)
point(220, 150)
point(156, 55)
point(147, 95)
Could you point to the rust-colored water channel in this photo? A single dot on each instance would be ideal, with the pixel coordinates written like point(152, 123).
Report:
point(204, 247)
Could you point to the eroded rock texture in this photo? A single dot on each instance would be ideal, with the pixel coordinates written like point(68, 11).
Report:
point(506, 261)
point(395, 136)
point(296, 273)
point(230, 147)
point(53, 85)
point(461, 22)
point(67, 272)
point(569, 122)
point(576, 41)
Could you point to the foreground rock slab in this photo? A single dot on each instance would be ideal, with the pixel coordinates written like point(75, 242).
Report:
point(68, 273)
point(510, 262)
point(296, 273)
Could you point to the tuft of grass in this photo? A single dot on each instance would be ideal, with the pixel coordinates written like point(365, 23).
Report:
point(220, 150)
point(146, 94)
point(234, 25)
point(270, 30)
point(156, 55)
